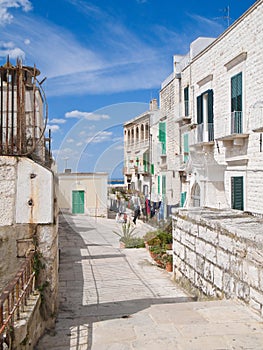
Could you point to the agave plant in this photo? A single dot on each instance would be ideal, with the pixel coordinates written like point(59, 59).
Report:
point(126, 233)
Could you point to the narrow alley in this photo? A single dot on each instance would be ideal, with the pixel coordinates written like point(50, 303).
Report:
point(115, 299)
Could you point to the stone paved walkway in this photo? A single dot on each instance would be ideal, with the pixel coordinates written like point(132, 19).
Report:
point(115, 299)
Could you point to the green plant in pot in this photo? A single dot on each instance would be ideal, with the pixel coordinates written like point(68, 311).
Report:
point(127, 236)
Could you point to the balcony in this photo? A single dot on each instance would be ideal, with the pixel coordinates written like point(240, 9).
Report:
point(163, 163)
point(182, 113)
point(202, 135)
point(256, 119)
point(135, 146)
point(127, 171)
point(234, 133)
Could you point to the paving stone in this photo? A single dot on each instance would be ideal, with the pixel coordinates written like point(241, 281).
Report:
point(116, 299)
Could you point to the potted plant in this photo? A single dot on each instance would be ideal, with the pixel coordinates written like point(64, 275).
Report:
point(126, 234)
point(168, 262)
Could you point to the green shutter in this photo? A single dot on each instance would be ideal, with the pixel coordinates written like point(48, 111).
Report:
point(163, 184)
point(77, 202)
point(237, 193)
point(200, 109)
point(146, 161)
point(183, 198)
point(162, 132)
point(186, 148)
point(210, 106)
point(159, 184)
point(152, 169)
point(186, 101)
point(162, 136)
point(236, 93)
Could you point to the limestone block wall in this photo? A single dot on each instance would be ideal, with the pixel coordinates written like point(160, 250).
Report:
point(237, 50)
point(28, 220)
point(220, 253)
point(169, 99)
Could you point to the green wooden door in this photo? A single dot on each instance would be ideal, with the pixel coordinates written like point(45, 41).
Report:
point(237, 193)
point(77, 202)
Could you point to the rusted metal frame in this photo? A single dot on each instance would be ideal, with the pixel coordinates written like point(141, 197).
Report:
point(1, 116)
point(7, 112)
point(17, 299)
point(11, 310)
point(1, 322)
point(23, 115)
point(12, 112)
point(18, 109)
point(34, 110)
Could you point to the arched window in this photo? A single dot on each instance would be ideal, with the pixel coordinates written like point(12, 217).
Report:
point(129, 137)
point(195, 195)
point(142, 132)
point(146, 131)
point(132, 136)
point(137, 134)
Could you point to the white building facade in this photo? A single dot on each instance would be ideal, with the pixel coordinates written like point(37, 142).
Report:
point(221, 137)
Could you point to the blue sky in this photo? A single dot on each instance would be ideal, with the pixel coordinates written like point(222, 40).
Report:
point(104, 60)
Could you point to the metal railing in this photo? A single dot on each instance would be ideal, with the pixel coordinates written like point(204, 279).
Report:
point(236, 122)
point(202, 133)
point(14, 299)
point(22, 108)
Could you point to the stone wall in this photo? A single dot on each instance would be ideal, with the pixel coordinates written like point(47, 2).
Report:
point(28, 220)
point(220, 253)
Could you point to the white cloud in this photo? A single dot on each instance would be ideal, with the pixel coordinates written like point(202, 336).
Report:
point(86, 115)
point(101, 137)
point(9, 48)
point(70, 140)
point(57, 121)
point(132, 61)
point(5, 16)
point(119, 147)
point(53, 128)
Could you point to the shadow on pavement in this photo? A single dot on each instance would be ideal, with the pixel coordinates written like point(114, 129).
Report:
point(75, 320)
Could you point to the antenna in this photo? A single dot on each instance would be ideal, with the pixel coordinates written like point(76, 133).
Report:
point(226, 15)
point(226, 10)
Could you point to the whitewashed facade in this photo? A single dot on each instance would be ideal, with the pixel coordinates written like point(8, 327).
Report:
point(222, 88)
point(138, 152)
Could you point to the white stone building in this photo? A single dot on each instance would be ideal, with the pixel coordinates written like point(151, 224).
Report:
point(138, 151)
point(221, 123)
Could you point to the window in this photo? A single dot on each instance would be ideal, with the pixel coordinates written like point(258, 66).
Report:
point(146, 162)
point(142, 132)
point(236, 104)
point(196, 195)
point(152, 169)
point(237, 193)
point(186, 147)
point(162, 136)
point(186, 101)
point(183, 198)
point(159, 184)
point(163, 185)
point(146, 131)
point(205, 116)
point(137, 134)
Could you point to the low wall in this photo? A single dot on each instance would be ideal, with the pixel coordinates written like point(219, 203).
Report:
point(30, 327)
point(220, 253)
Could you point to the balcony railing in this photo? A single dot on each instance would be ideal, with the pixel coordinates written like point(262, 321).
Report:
point(202, 133)
point(134, 145)
point(236, 122)
point(14, 299)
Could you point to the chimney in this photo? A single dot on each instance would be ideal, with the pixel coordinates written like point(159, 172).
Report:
point(153, 104)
